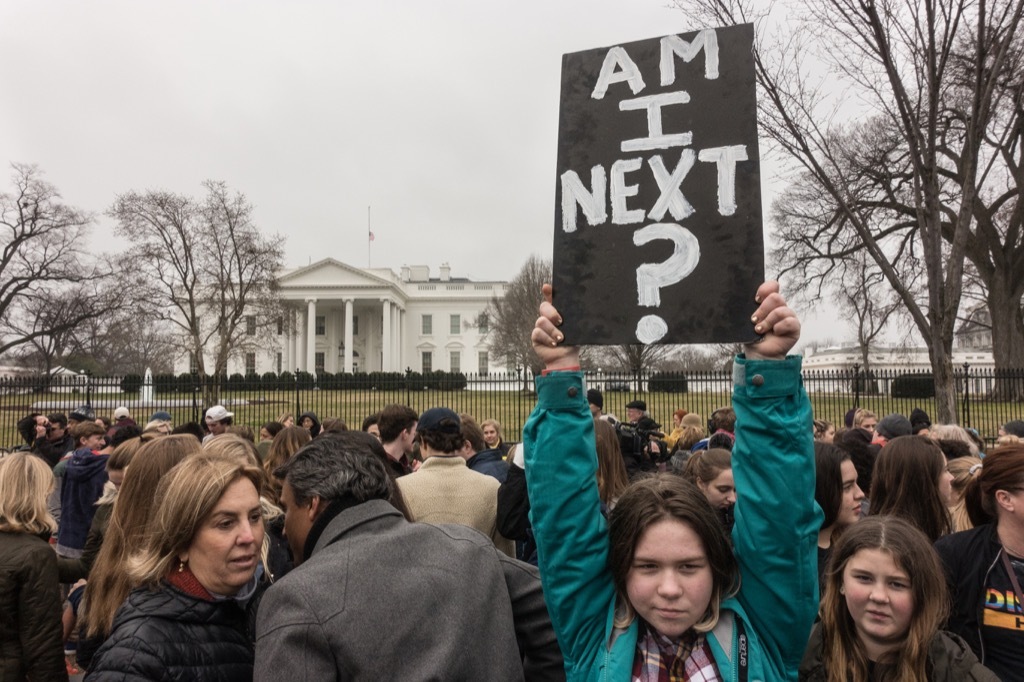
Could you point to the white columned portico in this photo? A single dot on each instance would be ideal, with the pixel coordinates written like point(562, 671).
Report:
point(348, 335)
point(311, 335)
point(386, 337)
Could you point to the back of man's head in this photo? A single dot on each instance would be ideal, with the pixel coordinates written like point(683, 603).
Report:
point(472, 432)
point(337, 465)
point(394, 419)
point(723, 419)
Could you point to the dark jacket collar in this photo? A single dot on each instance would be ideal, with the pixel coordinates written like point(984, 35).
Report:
point(335, 522)
point(493, 455)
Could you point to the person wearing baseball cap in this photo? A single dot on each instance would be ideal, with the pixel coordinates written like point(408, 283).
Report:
point(444, 489)
point(218, 419)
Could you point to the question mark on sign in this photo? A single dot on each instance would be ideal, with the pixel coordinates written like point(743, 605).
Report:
point(651, 277)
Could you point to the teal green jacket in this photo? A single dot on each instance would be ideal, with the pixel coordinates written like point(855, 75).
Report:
point(774, 537)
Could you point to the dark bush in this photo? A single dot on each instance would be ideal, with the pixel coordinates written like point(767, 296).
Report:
point(667, 382)
point(186, 382)
point(269, 381)
point(235, 382)
point(131, 383)
point(253, 381)
point(165, 383)
point(306, 380)
point(286, 381)
point(414, 381)
point(327, 381)
point(913, 386)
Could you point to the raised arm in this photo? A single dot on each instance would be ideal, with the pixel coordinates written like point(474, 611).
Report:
point(777, 520)
point(561, 475)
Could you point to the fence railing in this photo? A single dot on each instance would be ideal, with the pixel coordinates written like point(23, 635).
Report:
point(986, 399)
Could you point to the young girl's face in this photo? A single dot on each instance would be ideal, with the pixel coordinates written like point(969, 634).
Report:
point(849, 513)
point(670, 584)
point(721, 490)
point(878, 596)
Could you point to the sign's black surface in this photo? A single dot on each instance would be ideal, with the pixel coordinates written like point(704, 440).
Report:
point(658, 234)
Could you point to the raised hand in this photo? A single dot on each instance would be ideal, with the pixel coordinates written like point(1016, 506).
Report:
point(776, 321)
point(547, 338)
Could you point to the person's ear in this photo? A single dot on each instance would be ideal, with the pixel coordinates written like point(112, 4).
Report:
point(316, 507)
point(1005, 500)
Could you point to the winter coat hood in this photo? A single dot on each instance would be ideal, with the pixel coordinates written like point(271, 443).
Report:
point(85, 464)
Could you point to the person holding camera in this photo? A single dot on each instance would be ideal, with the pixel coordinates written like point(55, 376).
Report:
point(639, 439)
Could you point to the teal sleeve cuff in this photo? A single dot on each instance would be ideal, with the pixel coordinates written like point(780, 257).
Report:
point(767, 378)
point(560, 391)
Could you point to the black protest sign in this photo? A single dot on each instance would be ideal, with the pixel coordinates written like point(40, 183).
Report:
point(658, 234)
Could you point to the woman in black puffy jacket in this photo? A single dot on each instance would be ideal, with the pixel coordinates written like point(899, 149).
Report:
point(197, 573)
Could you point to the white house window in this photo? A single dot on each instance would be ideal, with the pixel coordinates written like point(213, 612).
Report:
point(250, 325)
point(318, 361)
point(455, 361)
point(428, 361)
point(455, 324)
point(250, 363)
point(483, 323)
point(482, 363)
point(427, 325)
point(280, 326)
point(321, 325)
point(355, 325)
point(280, 362)
point(193, 364)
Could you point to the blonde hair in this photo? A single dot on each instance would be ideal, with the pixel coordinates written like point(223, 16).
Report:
point(185, 498)
point(1008, 439)
point(25, 482)
point(963, 470)
point(861, 414)
point(953, 432)
point(244, 452)
point(154, 427)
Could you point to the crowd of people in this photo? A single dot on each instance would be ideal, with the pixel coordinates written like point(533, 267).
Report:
point(761, 544)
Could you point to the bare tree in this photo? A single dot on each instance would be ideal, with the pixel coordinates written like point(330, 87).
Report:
point(513, 315)
point(929, 72)
point(637, 358)
point(45, 274)
point(206, 270)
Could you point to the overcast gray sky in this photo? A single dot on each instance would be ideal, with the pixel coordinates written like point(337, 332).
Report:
point(441, 115)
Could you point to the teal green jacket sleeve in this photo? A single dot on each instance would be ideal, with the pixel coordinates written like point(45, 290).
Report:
point(571, 534)
point(777, 519)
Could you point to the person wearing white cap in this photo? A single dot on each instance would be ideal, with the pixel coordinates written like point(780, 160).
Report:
point(218, 419)
point(122, 413)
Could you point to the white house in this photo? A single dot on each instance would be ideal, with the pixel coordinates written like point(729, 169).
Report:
point(341, 318)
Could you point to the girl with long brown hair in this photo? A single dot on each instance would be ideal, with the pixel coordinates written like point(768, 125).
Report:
point(109, 583)
point(884, 604)
point(911, 481)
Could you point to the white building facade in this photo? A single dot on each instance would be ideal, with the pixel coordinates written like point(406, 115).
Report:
point(340, 318)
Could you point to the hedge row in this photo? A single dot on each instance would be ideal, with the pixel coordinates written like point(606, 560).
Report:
point(285, 381)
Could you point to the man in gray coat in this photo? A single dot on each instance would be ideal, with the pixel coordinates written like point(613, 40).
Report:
point(374, 596)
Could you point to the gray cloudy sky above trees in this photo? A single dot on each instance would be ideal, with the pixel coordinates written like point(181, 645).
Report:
point(441, 115)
